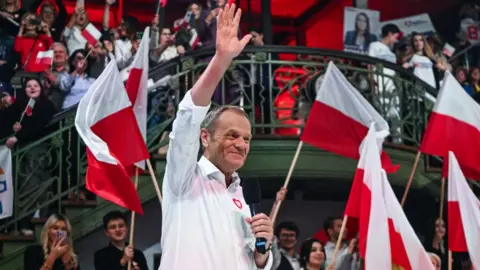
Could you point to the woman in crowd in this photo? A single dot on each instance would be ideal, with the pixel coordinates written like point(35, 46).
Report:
point(34, 120)
point(33, 37)
point(435, 243)
point(10, 16)
point(312, 255)
point(360, 38)
point(422, 60)
point(73, 30)
point(56, 20)
point(55, 251)
point(77, 83)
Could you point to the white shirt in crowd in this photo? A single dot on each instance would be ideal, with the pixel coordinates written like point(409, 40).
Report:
point(74, 39)
point(169, 53)
point(123, 53)
point(204, 223)
point(423, 69)
point(341, 255)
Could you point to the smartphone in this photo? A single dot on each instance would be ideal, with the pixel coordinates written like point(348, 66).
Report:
point(139, 35)
point(214, 4)
point(62, 234)
point(35, 22)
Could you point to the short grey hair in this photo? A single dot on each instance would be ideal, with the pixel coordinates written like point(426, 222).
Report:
point(209, 122)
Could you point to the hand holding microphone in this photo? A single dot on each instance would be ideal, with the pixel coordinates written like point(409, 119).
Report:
point(260, 224)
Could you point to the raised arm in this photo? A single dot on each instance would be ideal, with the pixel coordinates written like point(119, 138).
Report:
point(185, 135)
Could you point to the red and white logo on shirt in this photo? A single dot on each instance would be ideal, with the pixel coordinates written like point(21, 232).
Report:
point(238, 203)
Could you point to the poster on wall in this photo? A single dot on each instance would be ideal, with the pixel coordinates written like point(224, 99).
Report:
point(360, 28)
point(418, 23)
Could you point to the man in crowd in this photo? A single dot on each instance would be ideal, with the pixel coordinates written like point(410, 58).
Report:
point(206, 222)
point(332, 227)
point(118, 253)
point(284, 254)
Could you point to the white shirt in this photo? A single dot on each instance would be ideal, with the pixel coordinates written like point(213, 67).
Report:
point(123, 53)
point(330, 249)
point(379, 50)
point(74, 39)
point(204, 225)
point(423, 69)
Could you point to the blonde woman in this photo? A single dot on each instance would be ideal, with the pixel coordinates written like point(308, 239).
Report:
point(422, 60)
point(55, 251)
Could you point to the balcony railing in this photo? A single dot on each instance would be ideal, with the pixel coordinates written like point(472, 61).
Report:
point(274, 84)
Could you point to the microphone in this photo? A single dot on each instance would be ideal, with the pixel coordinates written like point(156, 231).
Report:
point(252, 195)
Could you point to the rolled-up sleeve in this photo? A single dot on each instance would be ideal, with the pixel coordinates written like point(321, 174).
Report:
point(184, 145)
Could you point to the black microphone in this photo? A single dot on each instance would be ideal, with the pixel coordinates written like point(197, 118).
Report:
point(252, 195)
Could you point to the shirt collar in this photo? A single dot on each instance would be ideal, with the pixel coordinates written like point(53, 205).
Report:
point(212, 171)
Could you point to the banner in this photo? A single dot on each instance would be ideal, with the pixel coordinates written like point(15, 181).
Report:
point(6, 187)
point(360, 28)
point(469, 30)
point(418, 23)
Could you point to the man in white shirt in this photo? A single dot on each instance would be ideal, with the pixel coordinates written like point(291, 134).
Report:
point(388, 96)
point(206, 222)
point(345, 254)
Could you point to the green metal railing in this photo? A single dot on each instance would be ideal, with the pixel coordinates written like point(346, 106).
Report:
point(275, 93)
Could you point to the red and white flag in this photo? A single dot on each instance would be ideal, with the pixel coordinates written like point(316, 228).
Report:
point(29, 109)
point(340, 118)
point(106, 123)
point(463, 214)
point(454, 125)
point(91, 34)
point(136, 86)
point(366, 203)
point(194, 40)
point(392, 236)
point(184, 22)
point(407, 250)
point(45, 58)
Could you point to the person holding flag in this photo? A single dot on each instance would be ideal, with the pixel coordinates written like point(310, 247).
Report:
point(205, 216)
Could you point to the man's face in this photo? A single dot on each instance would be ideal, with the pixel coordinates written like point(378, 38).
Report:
point(116, 230)
point(335, 231)
point(287, 239)
point(59, 55)
point(48, 15)
point(228, 145)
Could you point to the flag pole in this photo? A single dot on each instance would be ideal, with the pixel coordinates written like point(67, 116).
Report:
point(442, 197)
point(410, 179)
point(450, 260)
point(339, 240)
point(132, 220)
point(155, 182)
point(88, 54)
point(287, 180)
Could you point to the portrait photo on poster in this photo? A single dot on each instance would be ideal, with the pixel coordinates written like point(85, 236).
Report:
point(361, 27)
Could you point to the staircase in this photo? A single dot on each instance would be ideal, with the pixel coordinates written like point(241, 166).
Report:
point(276, 104)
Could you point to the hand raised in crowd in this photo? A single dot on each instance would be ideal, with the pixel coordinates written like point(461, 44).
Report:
point(59, 248)
point(261, 226)
point(228, 44)
point(108, 45)
point(11, 142)
point(281, 194)
point(135, 266)
point(352, 246)
point(212, 15)
point(127, 255)
point(79, 9)
point(180, 49)
point(17, 127)
point(110, 2)
point(51, 78)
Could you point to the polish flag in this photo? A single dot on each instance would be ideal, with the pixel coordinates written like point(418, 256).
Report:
point(340, 118)
point(463, 214)
point(194, 40)
point(137, 87)
point(407, 250)
point(454, 125)
point(366, 207)
point(374, 243)
point(29, 109)
point(106, 123)
point(186, 21)
point(45, 58)
point(91, 34)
